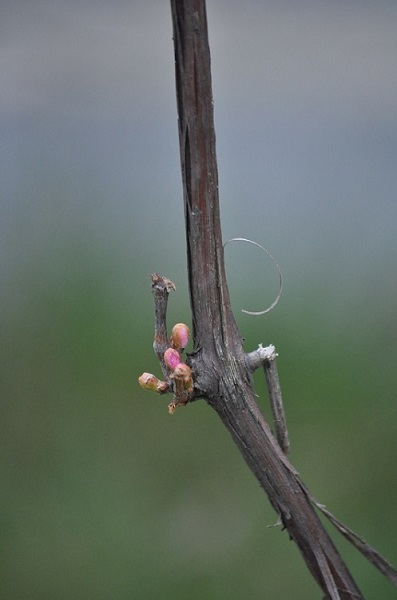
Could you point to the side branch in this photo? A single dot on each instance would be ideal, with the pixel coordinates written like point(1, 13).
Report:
point(266, 357)
point(178, 375)
point(161, 287)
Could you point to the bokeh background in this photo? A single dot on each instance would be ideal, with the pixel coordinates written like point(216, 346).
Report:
point(103, 494)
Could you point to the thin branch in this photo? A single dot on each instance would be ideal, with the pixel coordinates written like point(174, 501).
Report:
point(362, 546)
point(266, 357)
point(161, 287)
point(276, 402)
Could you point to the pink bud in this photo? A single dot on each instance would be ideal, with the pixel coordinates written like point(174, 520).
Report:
point(171, 358)
point(180, 336)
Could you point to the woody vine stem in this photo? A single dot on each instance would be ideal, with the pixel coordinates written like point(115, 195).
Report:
point(218, 369)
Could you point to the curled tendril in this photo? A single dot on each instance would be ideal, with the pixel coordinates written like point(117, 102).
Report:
point(280, 289)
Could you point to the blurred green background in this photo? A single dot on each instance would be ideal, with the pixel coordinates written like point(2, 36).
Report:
point(103, 494)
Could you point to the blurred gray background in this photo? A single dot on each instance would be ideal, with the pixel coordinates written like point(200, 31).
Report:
point(104, 495)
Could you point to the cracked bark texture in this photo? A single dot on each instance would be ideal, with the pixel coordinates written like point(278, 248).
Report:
point(221, 373)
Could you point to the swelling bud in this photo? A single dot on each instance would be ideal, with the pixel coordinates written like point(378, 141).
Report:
point(180, 335)
point(147, 381)
point(183, 373)
point(171, 358)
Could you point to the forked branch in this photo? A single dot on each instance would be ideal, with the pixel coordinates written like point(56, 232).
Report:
point(222, 372)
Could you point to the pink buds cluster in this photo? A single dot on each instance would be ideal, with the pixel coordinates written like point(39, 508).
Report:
point(180, 372)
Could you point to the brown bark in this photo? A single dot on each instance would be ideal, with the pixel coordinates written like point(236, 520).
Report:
point(221, 373)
